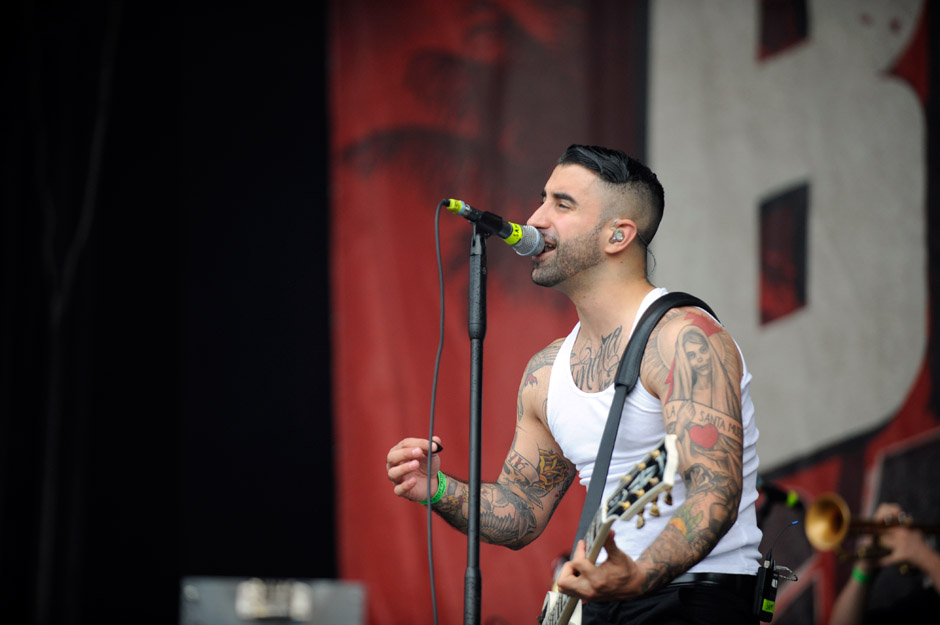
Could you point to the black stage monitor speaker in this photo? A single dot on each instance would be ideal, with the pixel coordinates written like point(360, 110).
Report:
point(256, 601)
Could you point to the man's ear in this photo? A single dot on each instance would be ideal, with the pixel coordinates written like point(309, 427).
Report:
point(622, 234)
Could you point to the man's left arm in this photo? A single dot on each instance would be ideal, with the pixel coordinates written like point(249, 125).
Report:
point(693, 365)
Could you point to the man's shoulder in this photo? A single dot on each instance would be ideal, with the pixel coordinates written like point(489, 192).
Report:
point(677, 318)
point(682, 304)
point(545, 357)
point(671, 338)
point(533, 392)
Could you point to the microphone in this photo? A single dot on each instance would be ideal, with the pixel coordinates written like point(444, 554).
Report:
point(526, 240)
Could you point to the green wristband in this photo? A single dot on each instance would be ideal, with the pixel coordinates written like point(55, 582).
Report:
point(441, 487)
point(861, 576)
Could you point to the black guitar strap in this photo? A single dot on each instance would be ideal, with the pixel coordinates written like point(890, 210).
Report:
point(627, 374)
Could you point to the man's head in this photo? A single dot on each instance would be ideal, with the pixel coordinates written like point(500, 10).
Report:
point(634, 190)
point(598, 205)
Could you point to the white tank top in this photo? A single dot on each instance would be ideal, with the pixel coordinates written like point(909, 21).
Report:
point(577, 420)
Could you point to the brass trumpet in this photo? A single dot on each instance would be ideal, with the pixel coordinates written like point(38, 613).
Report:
point(828, 521)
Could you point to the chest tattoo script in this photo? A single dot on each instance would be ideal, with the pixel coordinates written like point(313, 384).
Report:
point(594, 367)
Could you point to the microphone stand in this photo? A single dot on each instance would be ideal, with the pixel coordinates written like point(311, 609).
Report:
point(477, 331)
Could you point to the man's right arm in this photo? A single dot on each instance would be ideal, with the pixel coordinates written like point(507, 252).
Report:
point(535, 475)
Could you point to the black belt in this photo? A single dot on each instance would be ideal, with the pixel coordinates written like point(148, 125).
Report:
point(743, 584)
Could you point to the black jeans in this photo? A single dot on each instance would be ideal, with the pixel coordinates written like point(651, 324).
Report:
point(678, 604)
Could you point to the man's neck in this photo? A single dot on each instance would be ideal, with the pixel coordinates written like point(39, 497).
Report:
point(606, 320)
point(608, 307)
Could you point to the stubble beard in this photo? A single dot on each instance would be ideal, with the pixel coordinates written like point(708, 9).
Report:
point(568, 260)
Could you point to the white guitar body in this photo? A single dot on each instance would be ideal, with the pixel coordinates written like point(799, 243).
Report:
point(653, 475)
point(561, 609)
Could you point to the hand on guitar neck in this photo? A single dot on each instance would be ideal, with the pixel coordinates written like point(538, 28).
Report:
point(618, 575)
point(579, 576)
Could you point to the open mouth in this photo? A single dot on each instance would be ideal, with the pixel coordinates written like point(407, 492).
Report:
point(549, 246)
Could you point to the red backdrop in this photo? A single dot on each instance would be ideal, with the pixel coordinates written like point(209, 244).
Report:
point(475, 101)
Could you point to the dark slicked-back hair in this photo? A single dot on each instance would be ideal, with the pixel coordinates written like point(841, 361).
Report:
point(627, 175)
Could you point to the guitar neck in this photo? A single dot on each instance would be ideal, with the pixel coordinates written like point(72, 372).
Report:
point(596, 536)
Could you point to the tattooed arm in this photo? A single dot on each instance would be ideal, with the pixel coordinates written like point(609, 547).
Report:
point(517, 506)
point(693, 366)
point(695, 369)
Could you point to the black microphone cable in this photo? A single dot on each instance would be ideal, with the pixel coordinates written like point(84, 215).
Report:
point(437, 368)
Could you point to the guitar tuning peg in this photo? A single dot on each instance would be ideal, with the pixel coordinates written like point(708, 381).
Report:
point(654, 508)
point(640, 521)
point(668, 498)
point(640, 466)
